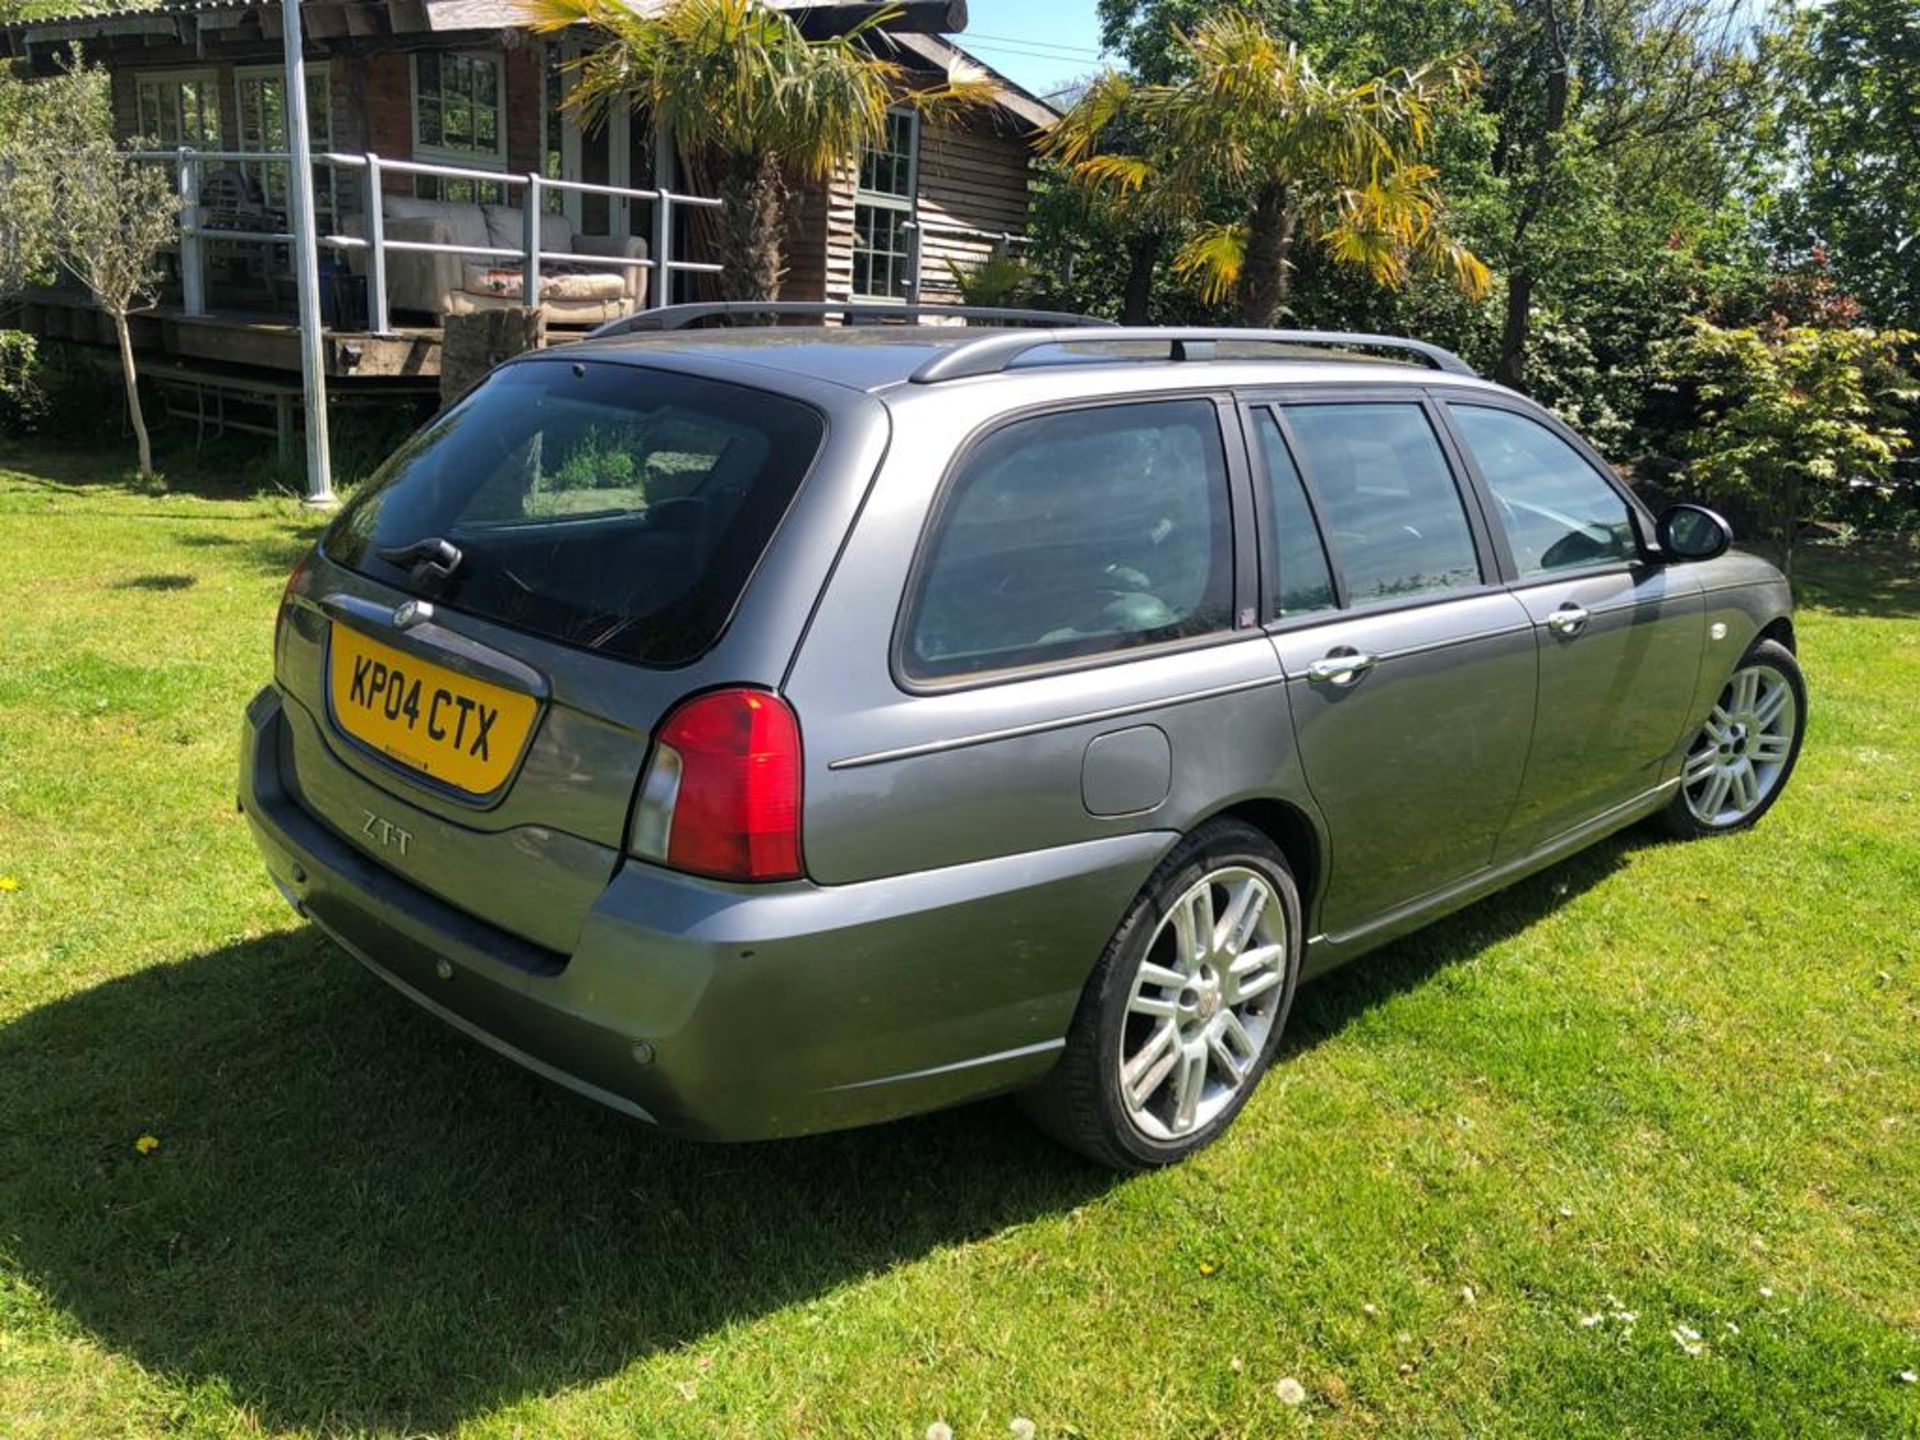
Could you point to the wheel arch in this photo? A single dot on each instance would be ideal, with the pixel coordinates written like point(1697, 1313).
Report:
point(1296, 834)
point(1779, 629)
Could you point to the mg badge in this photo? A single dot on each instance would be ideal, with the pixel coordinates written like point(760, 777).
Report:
point(409, 613)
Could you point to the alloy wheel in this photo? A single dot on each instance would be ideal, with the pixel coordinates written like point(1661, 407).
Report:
point(1203, 1003)
point(1741, 753)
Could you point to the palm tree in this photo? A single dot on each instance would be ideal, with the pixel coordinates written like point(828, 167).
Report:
point(1296, 155)
point(750, 101)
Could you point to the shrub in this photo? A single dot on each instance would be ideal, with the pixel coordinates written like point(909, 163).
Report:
point(1797, 422)
point(23, 403)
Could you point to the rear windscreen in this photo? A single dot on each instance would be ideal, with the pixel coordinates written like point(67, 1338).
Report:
point(606, 506)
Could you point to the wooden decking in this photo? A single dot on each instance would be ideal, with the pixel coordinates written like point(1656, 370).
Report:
point(267, 345)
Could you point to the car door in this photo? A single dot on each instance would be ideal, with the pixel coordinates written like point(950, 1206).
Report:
point(1410, 670)
point(1619, 638)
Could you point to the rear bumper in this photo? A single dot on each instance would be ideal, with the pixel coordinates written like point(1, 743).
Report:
point(735, 1012)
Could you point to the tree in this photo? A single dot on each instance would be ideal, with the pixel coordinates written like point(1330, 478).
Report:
point(1793, 417)
point(1856, 114)
point(115, 215)
point(749, 98)
point(1615, 137)
point(1296, 156)
point(41, 121)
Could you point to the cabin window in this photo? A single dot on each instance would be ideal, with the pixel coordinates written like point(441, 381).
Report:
point(884, 209)
point(180, 107)
point(260, 107)
point(458, 119)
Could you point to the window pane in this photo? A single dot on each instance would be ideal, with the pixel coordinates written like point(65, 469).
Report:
point(1558, 514)
point(1397, 524)
point(1079, 534)
point(1303, 584)
point(608, 507)
point(886, 169)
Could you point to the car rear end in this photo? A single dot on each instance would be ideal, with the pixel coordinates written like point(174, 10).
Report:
point(524, 753)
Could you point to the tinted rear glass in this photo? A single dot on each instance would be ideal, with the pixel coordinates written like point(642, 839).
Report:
point(609, 507)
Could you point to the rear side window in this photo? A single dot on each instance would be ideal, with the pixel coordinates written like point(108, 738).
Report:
point(609, 507)
point(1557, 511)
point(1301, 583)
point(1076, 534)
point(1394, 515)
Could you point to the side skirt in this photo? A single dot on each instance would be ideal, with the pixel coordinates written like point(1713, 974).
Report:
point(1327, 952)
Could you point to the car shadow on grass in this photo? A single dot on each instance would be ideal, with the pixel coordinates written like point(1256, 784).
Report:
point(356, 1218)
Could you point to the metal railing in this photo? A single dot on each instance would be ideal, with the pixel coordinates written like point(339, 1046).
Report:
point(919, 228)
point(659, 260)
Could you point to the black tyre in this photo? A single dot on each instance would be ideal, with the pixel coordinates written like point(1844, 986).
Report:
point(1740, 761)
point(1185, 1008)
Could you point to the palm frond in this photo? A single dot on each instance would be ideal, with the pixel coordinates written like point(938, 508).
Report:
point(1213, 259)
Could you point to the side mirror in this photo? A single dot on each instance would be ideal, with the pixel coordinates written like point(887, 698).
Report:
point(1692, 532)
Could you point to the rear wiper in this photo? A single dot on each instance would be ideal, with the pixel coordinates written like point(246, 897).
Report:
point(428, 561)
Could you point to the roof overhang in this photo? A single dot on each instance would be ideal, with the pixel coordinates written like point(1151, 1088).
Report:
point(937, 51)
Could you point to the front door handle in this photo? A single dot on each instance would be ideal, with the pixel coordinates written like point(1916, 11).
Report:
point(1569, 620)
point(1341, 667)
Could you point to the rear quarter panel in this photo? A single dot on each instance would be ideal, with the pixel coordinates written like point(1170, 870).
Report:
point(898, 781)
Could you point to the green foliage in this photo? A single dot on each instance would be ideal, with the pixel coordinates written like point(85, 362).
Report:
point(1855, 66)
point(42, 121)
point(597, 460)
point(1261, 149)
point(1796, 421)
point(23, 403)
point(1000, 279)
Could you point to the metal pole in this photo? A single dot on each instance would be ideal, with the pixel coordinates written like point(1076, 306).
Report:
point(530, 242)
point(306, 262)
point(662, 257)
point(193, 295)
point(377, 317)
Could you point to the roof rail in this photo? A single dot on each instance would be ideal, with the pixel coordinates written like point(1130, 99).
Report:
point(680, 317)
point(991, 354)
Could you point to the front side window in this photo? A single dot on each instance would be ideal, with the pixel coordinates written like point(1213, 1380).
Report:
point(180, 109)
point(1557, 511)
point(1394, 516)
point(608, 507)
point(1298, 580)
point(883, 209)
point(1077, 534)
point(458, 118)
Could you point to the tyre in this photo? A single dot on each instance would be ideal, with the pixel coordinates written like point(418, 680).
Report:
point(1740, 761)
point(1185, 1009)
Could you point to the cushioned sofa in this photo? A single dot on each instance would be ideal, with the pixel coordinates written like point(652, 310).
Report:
point(573, 291)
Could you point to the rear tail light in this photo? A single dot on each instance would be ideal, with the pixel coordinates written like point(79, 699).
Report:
point(721, 795)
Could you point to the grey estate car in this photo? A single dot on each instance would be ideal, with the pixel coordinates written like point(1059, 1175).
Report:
point(766, 730)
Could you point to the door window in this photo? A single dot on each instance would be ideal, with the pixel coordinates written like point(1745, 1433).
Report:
point(1395, 518)
point(1557, 511)
point(1299, 581)
point(1076, 534)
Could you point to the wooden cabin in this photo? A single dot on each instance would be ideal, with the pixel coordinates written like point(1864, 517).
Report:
point(438, 125)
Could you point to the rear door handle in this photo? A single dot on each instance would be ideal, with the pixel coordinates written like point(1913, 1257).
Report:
point(1569, 620)
point(1341, 667)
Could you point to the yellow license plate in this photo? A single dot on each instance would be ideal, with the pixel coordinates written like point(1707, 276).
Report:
point(463, 732)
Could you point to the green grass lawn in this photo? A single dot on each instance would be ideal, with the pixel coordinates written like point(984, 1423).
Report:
point(1498, 1169)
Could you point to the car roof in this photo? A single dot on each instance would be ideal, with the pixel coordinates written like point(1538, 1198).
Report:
point(876, 358)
